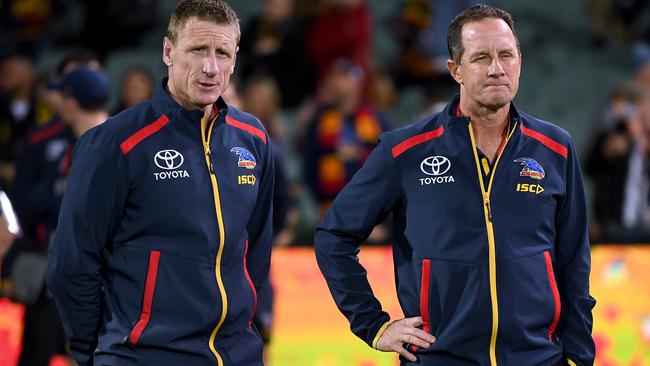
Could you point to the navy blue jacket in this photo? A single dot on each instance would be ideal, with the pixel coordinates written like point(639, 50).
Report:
point(37, 188)
point(164, 237)
point(498, 270)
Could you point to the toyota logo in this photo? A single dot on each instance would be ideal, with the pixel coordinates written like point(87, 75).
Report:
point(435, 165)
point(168, 159)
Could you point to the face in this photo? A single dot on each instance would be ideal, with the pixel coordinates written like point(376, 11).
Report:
point(200, 63)
point(278, 10)
point(137, 87)
point(261, 100)
point(490, 64)
point(15, 73)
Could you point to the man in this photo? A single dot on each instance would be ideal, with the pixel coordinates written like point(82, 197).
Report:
point(164, 233)
point(341, 133)
point(17, 110)
point(491, 251)
point(41, 174)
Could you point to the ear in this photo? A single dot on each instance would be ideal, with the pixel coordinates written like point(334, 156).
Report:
point(454, 71)
point(232, 69)
point(168, 46)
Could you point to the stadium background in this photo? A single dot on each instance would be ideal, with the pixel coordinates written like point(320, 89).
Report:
point(564, 79)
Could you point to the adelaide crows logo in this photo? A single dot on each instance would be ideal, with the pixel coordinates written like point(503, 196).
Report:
point(246, 159)
point(531, 168)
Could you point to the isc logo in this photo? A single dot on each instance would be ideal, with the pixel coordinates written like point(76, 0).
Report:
point(246, 179)
point(532, 188)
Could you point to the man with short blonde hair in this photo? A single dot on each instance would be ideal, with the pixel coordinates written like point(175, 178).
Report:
point(164, 235)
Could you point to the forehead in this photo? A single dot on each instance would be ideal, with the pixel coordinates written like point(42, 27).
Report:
point(488, 32)
point(197, 30)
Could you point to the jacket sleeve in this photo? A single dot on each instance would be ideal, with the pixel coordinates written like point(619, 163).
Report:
point(260, 224)
point(371, 194)
point(573, 263)
point(90, 212)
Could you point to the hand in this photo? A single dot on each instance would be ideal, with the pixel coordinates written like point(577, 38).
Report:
point(404, 331)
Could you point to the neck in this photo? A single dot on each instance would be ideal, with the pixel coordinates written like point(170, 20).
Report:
point(88, 120)
point(489, 126)
point(484, 119)
point(208, 110)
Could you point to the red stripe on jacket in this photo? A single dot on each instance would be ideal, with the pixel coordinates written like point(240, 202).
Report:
point(149, 287)
point(425, 286)
point(555, 146)
point(46, 133)
point(246, 127)
point(143, 133)
point(556, 295)
point(250, 282)
point(416, 140)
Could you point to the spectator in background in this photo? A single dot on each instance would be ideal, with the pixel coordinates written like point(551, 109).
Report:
point(41, 175)
point(40, 153)
point(17, 77)
point(76, 57)
point(341, 133)
point(619, 21)
point(262, 98)
point(23, 25)
point(383, 92)
point(273, 43)
point(421, 33)
point(618, 164)
point(137, 86)
point(617, 159)
point(340, 29)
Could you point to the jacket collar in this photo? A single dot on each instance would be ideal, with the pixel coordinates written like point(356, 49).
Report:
point(165, 104)
point(450, 118)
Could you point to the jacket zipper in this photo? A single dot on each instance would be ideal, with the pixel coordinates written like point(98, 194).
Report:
point(250, 282)
point(487, 211)
point(206, 135)
point(557, 305)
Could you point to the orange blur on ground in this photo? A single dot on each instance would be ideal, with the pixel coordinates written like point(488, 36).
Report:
point(310, 331)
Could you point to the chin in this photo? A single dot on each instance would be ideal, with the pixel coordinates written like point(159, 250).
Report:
point(205, 100)
point(497, 101)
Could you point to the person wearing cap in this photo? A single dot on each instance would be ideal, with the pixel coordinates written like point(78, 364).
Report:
point(491, 250)
point(164, 234)
point(341, 133)
point(41, 173)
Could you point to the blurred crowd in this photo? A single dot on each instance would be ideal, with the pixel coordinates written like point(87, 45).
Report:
point(306, 69)
point(617, 158)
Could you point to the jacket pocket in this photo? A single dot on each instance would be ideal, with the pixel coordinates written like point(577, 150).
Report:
point(425, 286)
point(250, 282)
point(556, 294)
point(149, 288)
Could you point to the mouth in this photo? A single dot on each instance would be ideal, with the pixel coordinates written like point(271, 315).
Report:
point(208, 85)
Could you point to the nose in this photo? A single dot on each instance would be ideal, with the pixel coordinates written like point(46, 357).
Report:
point(210, 66)
point(496, 68)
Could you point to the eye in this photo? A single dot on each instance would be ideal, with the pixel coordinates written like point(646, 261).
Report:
point(480, 59)
point(198, 50)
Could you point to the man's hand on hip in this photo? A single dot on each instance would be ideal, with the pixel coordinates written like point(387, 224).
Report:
point(404, 331)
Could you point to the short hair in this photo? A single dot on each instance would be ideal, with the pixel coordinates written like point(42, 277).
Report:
point(216, 11)
point(473, 14)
